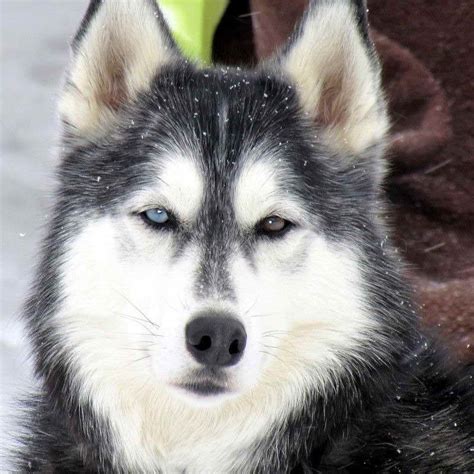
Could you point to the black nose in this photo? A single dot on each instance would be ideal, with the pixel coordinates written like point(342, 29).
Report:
point(217, 340)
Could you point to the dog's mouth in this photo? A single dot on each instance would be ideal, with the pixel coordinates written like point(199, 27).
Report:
point(205, 383)
point(203, 388)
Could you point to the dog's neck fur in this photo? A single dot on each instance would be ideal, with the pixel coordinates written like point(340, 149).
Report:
point(319, 422)
point(274, 448)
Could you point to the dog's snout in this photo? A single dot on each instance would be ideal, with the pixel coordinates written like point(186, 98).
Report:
point(216, 341)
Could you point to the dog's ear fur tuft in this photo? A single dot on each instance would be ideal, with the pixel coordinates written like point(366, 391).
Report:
point(332, 62)
point(120, 46)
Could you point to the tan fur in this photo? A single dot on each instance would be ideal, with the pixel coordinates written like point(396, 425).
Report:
point(121, 52)
point(338, 83)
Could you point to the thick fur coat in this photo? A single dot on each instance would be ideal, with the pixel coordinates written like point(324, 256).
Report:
point(267, 185)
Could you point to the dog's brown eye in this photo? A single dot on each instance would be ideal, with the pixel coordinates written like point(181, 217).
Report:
point(273, 225)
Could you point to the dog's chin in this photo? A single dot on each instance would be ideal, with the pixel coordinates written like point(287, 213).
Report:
point(204, 389)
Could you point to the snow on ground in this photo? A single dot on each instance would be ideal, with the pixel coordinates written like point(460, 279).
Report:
point(34, 51)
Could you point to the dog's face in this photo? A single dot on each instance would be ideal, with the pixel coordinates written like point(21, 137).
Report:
point(207, 268)
point(210, 218)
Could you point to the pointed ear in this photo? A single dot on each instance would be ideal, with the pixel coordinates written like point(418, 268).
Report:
point(120, 46)
point(332, 62)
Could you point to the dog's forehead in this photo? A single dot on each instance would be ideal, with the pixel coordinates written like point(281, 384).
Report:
point(222, 111)
point(225, 135)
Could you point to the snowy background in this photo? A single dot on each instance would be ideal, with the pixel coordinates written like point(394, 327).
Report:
point(34, 51)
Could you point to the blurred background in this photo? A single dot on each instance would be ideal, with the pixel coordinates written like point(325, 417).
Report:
point(34, 51)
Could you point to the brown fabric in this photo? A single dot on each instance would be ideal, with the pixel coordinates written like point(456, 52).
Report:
point(427, 53)
point(433, 181)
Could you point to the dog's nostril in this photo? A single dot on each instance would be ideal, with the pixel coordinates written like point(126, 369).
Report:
point(204, 344)
point(234, 347)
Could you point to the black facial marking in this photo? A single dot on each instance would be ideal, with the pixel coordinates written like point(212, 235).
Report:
point(219, 118)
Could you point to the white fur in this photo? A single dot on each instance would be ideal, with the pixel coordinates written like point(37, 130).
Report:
point(297, 319)
point(337, 82)
point(260, 191)
point(180, 188)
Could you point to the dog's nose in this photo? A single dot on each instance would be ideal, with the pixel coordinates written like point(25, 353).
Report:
point(216, 341)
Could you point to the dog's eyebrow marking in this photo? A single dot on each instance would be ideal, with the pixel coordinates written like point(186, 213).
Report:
point(184, 187)
point(258, 193)
point(179, 187)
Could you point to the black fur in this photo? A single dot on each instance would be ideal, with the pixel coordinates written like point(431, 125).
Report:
point(401, 405)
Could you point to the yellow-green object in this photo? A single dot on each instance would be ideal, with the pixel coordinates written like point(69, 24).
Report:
point(193, 24)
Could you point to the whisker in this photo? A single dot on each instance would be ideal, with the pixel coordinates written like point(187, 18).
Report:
point(252, 306)
point(148, 356)
point(137, 320)
point(137, 334)
point(133, 349)
point(129, 316)
point(276, 331)
point(139, 310)
point(279, 349)
point(183, 303)
point(273, 355)
point(151, 344)
point(275, 337)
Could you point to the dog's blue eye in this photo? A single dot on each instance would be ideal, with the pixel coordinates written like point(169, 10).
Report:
point(157, 216)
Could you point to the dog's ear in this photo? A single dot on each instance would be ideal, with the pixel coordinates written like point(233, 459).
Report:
point(120, 46)
point(332, 62)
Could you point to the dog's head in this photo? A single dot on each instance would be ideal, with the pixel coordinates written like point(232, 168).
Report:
point(216, 226)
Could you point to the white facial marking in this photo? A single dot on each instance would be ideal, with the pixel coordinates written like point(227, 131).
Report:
point(260, 192)
point(123, 319)
point(312, 310)
point(179, 188)
point(183, 186)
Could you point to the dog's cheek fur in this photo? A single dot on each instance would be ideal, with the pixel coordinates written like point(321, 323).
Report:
point(112, 338)
point(112, 367)
point(310, 315)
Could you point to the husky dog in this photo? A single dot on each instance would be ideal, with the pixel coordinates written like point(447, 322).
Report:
point(217, 291)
